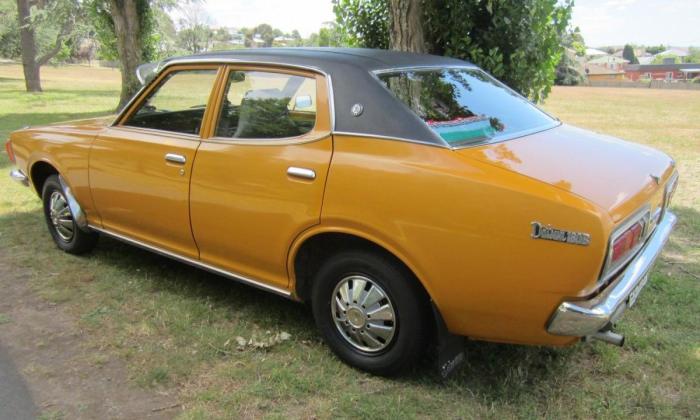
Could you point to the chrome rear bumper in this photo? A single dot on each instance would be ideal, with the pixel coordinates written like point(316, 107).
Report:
point(585, 318)
point(19, 176)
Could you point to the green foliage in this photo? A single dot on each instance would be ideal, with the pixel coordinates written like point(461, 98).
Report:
point(694, 55)
point(9, 30)
point(99, 13)
point(628, 54)
point(661, 59)
point(656, 49)
point(517, 42)
point(366, 22)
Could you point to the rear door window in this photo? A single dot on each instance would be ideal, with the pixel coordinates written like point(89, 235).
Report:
point(267, 105)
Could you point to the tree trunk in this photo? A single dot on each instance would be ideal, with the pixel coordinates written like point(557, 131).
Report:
point(28, 43)
point(406, 26)
point(127, 27)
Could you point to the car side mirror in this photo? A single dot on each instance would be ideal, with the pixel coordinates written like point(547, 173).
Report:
point(302, 102)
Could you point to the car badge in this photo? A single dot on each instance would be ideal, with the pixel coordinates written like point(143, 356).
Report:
point(357, 110)
point(540, 231)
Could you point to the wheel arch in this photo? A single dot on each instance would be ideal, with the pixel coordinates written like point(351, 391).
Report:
point(314, 246)
point(39, 171)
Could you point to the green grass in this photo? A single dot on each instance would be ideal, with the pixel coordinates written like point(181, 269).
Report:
point(177, 327)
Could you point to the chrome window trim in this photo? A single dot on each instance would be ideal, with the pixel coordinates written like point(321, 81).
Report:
point(556, 122)
point(225, 61)
point(213, 269)
point(643, 213)
point(401, 139)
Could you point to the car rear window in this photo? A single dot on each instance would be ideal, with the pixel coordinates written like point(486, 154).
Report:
point(465, 106)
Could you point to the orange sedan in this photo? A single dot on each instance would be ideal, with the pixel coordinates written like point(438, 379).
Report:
point(413, 200)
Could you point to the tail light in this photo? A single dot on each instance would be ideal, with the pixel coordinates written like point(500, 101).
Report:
point(625, 242)
point(10, 152)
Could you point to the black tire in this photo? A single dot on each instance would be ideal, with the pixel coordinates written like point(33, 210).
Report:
point(408, 301)
point(79, 241)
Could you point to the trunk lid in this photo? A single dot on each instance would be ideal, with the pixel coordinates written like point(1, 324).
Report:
point(614, 174)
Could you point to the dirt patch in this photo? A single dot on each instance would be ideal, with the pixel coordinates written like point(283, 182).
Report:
point(64, 374)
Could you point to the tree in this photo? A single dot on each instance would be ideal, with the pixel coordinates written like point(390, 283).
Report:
point(666, 58)
point(406, 26)
point(9, 30)
point(518, 42)
point(693, 55)
point(656, 49)
point(32, 15)
point(195, 35)
point(127, 31)
point(364, 23)
point(628, 54)
point(570, 71)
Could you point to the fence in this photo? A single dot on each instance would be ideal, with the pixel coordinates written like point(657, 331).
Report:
point(653, 84)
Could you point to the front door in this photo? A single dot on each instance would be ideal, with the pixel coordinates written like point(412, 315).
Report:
point(140, 168)
point(259, 177)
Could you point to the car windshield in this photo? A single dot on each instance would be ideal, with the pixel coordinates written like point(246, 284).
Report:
point(465, 106)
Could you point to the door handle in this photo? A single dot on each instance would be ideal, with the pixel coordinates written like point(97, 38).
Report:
point(304, 173)
point(175, 158)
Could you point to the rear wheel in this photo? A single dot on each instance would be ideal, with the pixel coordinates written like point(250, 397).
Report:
point(370, 312)
point(60, 220)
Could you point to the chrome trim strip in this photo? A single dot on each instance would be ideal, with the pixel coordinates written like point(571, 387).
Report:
point(304, 173)
point(75, 209)
point(231, 61)
point(426, 68)
point(18, 176)
point(377, 136)
point(228, 274)
point(175, 158)
point(584, 318)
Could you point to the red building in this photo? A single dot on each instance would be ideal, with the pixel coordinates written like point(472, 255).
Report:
point(662, 71)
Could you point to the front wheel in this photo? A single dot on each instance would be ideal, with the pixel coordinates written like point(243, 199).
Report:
point(59, 218)
point(371, 312)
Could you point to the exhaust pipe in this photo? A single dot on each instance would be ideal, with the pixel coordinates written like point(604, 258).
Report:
point(610, 337)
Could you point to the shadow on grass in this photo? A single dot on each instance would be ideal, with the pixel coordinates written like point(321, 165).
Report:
point(493, 372)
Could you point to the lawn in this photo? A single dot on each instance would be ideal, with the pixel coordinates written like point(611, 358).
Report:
point(179, 328)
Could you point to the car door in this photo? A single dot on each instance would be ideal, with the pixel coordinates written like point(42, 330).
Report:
point(140, 167)
point(260, 173)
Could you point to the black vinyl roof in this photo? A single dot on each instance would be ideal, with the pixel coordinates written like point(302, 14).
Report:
point(353, 82)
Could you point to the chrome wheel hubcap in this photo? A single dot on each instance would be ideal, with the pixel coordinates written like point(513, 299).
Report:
point(363, 313)
point(61, 217)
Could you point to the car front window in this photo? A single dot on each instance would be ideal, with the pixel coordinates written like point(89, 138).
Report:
point(465, 106)
point(177, 104)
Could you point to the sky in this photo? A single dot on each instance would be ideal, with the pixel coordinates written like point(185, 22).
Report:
point(602, 22)
point(648, 22)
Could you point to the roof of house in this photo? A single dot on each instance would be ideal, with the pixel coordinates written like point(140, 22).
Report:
point(593, 69)
point(659, 67)
point(608, 59)
point(594, 52)
point(350, 71)
point(675, 51)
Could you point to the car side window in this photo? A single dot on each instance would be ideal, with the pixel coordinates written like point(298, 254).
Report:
point(177, 104)
point(267, 105)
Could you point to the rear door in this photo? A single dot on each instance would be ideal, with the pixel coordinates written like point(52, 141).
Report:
point(259, 176)
point(140, 168)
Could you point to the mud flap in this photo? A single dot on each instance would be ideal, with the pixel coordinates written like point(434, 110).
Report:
point(450, 348)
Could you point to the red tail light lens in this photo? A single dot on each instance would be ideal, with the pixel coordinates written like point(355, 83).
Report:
point(627, 242)
point(10, 152)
